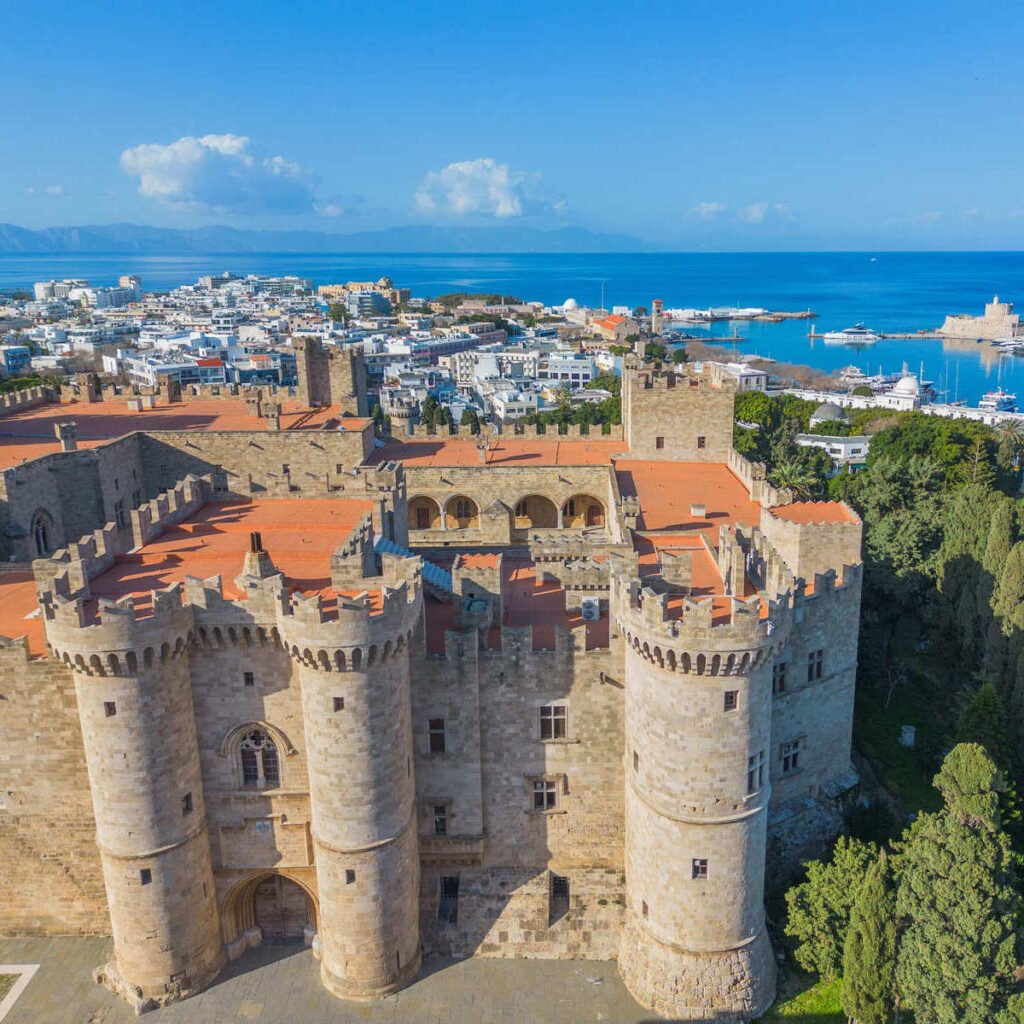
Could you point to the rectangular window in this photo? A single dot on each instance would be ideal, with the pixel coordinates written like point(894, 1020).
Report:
point(339, 703)
point(350, 876)
point(700, 868)
point(755, 772)
point(815, 665)
point(779, 678)
point(731, 700)
point(702, 441)
point(249, 678)
point(558, 898)
point(545, 794)
point(440, 820)
point(109, 708)
point(659, 442)
point(554, 721)
point(791, 756)
point(186, 804)
point(250, 767)
point(145, 876)
point(448, 904)
point(436, 738)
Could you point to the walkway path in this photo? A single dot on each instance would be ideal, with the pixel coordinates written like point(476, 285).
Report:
point(282, 986)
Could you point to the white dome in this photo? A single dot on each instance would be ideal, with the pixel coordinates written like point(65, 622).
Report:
point(906, 386)
point(570, 304)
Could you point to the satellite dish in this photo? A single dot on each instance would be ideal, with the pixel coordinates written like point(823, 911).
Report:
point(591, 609)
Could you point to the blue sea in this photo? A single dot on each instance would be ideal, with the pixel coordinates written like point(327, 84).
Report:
point(890, 292)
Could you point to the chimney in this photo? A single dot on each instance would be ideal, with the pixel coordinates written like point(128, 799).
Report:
point(258, 563)
point(67, 434)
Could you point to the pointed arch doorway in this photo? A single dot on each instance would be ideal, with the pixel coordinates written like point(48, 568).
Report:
point(271, 908)
point(281, 909)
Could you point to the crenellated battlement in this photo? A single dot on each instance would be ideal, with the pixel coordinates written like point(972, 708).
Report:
point(26, 398)
point(754, 476)
point(111, 638)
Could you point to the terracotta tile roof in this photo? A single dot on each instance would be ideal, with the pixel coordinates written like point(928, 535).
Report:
point(19, 610)
point(667, 490)
point(815, 512)
point(30, 433)
point(299, 534)
point(453, 451)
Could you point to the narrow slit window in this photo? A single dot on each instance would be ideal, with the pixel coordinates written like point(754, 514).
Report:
point(448, 904)
point(558, 898)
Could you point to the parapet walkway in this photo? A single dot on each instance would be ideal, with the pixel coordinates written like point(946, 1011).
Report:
point(281, 985)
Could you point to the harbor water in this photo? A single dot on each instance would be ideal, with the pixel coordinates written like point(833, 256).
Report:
point(888, 292)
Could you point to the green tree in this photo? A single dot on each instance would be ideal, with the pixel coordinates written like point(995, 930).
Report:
point(983, 722)
point(818, 910)
point(796, 476)
point(869, 955)
point(680, 355)
point(640, 311)
point(957, 900)
point(1008, 601)
point(470, 419)
point(429, 412)
point(337, 312)
point(1000, 536)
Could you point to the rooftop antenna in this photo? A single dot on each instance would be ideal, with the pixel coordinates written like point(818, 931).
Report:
point(602, 294)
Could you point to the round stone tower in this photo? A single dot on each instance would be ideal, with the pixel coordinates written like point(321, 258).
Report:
point(138, 725)
point(698, 721)
point(353, 666)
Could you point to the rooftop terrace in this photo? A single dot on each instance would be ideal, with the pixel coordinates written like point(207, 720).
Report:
point(30, 433)
point(299, 534)
point(667, 490)
point(455, 451)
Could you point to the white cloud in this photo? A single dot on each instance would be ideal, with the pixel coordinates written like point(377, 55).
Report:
point(222, 173)
point(930, 216)
point(55, 190)
point(758, 213)
point(481, 186)
point(754, 213)
point(707, 210)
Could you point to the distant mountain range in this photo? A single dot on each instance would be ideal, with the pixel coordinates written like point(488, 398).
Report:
point(137, 238)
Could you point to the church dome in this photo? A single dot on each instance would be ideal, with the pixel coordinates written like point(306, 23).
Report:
point(570, 304)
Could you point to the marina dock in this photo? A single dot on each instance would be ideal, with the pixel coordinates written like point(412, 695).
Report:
point(905, 336)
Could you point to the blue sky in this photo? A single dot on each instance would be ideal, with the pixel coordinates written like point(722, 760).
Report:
point(691, 124)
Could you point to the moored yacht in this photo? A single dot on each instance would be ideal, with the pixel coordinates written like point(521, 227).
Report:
point(998, 401)
point(856, 335)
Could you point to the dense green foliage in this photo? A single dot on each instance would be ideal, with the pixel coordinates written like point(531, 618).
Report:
point(21, 383)
point(869, 955)
point(592, 414)
point(453, 299)
point(957, 900)
point(818, 910)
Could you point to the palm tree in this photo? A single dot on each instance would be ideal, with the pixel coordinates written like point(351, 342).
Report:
point(796, 477)
point(1010, 435)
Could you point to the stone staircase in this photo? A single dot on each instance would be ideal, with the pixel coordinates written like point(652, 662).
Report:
point(436, 581)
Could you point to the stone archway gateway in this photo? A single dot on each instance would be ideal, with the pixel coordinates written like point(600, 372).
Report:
point(281, 909)
point(268, 907)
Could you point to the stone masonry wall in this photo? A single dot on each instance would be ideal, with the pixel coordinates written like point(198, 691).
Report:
point(51, 882)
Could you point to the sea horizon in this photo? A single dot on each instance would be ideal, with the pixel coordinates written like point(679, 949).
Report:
point(889, 291)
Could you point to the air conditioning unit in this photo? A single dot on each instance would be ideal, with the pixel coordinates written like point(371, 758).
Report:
point(591, 609)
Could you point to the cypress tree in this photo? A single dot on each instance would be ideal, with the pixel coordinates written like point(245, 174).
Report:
point(957, 901)
point(984, 722)
point(869, 956)
point(1000, 537)
point(1008, 601)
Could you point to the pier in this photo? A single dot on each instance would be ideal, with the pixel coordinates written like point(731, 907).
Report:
point(904, 336)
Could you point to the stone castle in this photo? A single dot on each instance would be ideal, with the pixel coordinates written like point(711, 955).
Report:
point(270, 677)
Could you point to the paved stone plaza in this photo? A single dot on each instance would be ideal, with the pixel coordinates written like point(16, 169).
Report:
point(281, 985)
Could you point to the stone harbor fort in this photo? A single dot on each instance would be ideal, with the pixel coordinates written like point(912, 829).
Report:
point(267, 675)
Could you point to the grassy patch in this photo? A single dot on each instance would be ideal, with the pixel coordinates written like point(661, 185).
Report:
point(922, 701)
point(7, 983)
point(804, 1001)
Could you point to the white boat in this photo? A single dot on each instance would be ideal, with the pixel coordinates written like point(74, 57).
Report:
point(856, 335)
point(998, 401)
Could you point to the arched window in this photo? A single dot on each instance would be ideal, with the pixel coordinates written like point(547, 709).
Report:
point(260, 765)
point(41, 534)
